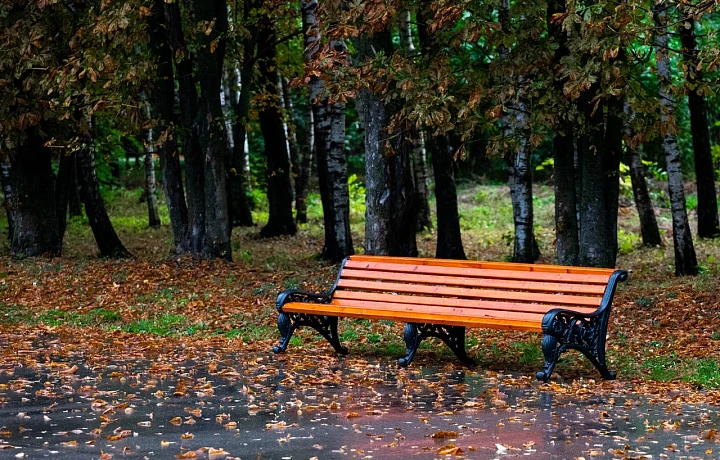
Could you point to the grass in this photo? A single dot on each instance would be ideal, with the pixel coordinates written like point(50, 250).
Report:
point(244, 297)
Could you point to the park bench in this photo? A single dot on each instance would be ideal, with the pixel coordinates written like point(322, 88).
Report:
point(440, 298)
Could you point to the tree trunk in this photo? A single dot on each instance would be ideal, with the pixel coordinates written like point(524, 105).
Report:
point(65, 186)
point(303, 178)
point(707, 210)
point(149, 163)
point(105, 236)
point(419, 160)
point(389, 192)
point(162, 98)
point(685, 259)
point(194, 160)
point(239, 205)
point(212, 132)
point(648, 223)
point(329, 137)
point(449, 239)
point(290, 134)
point(564, 176)
point(29, 189)
point(519, 176)
point(281, 221)
point(599, 184)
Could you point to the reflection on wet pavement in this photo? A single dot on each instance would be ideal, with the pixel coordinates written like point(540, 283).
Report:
point(218, 405)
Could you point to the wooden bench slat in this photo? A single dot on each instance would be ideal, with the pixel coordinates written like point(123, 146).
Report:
point(443, 302)
point(470, 293)
point(474, 282)
point(470, 271)
point(423, 318)
point(510, 266)
point(402, 308)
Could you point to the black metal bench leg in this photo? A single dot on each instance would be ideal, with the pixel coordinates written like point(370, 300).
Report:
point(325, 325)
point(600, 365)
point(551, 351)
point(452, 336)
point(286, 327)
point(412, 341)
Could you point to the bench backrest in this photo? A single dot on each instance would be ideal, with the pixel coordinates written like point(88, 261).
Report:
point(528, 291)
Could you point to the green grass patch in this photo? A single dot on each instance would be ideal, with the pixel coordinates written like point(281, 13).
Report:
point(14, 314)
point(530, 352)
point(163, 325)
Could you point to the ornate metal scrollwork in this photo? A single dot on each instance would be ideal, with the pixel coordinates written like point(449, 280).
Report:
point(453, 336)
point(288, 322)
point(325, 325)
point(568, 329)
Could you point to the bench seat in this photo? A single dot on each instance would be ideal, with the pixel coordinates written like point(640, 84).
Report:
point(440, 298)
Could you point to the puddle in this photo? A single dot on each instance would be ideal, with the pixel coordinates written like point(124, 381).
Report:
point(255, 406)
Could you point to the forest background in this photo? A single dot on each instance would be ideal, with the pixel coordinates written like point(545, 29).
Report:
point(377, 127)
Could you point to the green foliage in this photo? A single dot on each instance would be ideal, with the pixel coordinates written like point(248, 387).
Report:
point(163, 325)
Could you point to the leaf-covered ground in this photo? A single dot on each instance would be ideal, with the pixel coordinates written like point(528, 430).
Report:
point(662, 328)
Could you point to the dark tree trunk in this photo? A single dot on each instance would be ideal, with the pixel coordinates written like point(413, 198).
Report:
point(212, 133)
point(685, 258)
point(239, 205)
point(566, 222)
point(281, 221)
point(707, 209)
point(105, 236)
point(599, 188)
point(648, 223)
point(162, 98)
point(389, 217)
point(419, 160)
point(65, 186)
point(240, 208)
point(194, 161)
point(449, 239)
point(29, 189)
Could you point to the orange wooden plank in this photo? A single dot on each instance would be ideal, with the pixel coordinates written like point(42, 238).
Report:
point(472, 272)
point(470, 293)
point(441, 302)
point(483, 264)
point(418, 278)
point(402, 308)
point(410, 317)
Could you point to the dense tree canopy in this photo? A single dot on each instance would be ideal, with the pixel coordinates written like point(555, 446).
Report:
point(241, 97)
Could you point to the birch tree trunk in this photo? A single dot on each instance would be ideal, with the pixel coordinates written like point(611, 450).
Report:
point(149, 169)
point(685, 259)
point(329, 138)
point(519, 175)
point(707, 210)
